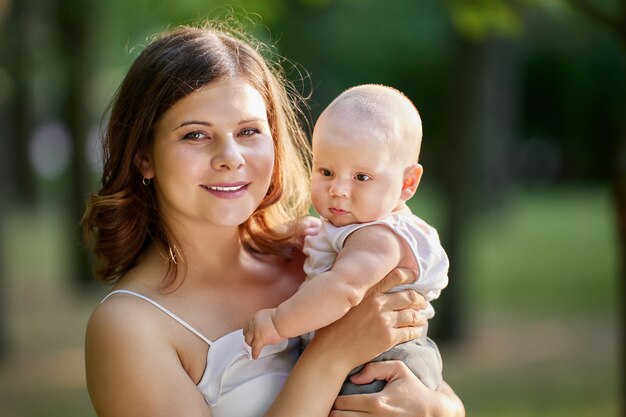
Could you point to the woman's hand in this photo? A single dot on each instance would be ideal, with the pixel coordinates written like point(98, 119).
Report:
point(404, 395)
point(378, 323)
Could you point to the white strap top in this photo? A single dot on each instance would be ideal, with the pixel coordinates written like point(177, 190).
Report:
point(233, 384)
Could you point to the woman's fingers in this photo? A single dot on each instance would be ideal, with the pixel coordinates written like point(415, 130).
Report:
point(411, 318)
point(408, 325)
point(353, 405)
point(398, 276)
point(404, 334)
point(343, 413)
point(381, 371)
point(401, 300)
point(374, 404)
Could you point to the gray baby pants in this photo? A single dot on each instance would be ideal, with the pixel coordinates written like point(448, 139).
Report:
point(420, 355)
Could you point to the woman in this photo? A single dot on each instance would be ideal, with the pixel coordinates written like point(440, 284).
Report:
point(194, 224)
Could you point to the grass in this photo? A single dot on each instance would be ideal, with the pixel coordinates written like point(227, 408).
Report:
point(550, 253)
point(541, 338)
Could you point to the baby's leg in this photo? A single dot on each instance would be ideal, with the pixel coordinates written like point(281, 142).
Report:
point(421, 356)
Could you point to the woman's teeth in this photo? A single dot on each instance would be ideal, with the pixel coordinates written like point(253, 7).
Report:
point(226, 188)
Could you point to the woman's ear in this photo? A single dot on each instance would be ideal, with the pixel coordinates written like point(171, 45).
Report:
point(143, 162)
point(411, 179)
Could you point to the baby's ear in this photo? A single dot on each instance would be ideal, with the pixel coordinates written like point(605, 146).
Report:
point(411, 179)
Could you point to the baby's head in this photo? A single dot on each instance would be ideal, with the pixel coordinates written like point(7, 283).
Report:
point(366, 146)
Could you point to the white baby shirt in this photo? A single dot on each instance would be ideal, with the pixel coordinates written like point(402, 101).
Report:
point(422, 239)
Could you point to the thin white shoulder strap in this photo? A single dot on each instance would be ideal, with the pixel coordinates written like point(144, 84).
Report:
point(163, 309)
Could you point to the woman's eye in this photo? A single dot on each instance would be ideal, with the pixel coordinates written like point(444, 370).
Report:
point(249, 131)
point(362, 177)
point(195, 135)
point(326, 172)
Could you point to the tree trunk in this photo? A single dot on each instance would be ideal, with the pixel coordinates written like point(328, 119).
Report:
point(458, 182)
point(75, 24)
point(5, 345)
point(619, 197)
point(16, 175)
point(482, 133)
point(617, 26)
point(16, 137)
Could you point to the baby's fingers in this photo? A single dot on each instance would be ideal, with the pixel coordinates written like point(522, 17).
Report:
point(310, 222)
point(256, 349)
point(248, 334)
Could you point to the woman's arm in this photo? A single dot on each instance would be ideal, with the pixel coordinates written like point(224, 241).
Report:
point(379, 322)
point(133, 369)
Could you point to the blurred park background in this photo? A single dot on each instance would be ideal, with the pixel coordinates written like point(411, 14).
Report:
point(524, 111)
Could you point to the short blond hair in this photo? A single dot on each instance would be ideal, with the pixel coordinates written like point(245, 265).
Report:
point(389, 110)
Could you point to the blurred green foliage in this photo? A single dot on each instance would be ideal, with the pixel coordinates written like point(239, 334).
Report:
point(480, 19)
point(566, 233)
point(523, 105)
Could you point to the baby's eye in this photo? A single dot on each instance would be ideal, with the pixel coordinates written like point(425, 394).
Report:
point(249, 131)
point(326, 172)
point(362, 177)
point(195, 135)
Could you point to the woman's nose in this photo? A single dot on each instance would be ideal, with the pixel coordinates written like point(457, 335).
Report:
point(229, 156)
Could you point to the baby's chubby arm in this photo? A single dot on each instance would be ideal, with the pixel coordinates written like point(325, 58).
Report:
point(368, 255)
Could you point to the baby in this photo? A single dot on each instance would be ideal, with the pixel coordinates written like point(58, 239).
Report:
point(366, 145)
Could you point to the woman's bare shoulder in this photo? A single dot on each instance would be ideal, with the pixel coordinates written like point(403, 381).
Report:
point(126, 350)
point(113, 315)
point(122, 320)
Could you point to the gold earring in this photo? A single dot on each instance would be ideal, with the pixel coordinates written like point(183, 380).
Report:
point(173, 256)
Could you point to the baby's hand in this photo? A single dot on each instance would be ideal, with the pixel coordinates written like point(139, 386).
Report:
point(260, 331)
point(307, 226)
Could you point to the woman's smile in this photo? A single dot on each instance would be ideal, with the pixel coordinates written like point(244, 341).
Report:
point(227, 190)
point(219, 138)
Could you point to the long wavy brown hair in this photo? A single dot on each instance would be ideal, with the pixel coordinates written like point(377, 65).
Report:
point(123, 217)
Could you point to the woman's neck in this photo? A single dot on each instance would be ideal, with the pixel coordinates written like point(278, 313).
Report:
point(202, 255)
point(210, 249)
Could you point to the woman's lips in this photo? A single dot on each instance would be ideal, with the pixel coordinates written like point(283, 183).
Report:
point(227, 190)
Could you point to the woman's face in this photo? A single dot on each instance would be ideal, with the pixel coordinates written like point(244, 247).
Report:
point(212, 156)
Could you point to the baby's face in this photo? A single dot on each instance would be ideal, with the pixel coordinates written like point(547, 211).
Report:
point(354, 178)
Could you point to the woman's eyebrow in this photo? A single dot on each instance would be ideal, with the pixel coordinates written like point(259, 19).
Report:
point(209, 124)
point(194, 122)
point(243, 122)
